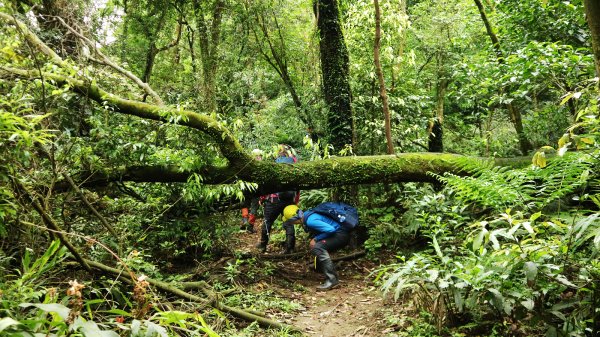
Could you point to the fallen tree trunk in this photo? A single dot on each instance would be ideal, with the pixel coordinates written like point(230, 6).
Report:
point(337, 171)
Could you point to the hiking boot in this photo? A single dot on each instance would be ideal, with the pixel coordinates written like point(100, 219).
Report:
point(327, 285)
point(290, 244)
point(331, 277)
point(262, 247)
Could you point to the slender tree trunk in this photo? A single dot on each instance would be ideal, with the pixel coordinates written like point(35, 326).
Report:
point(209, 46)
point(150, 57)
point(277, 59)
point(436, 125)
point(514, 113)
point(592, 14)
point(379, 71)
point(153, 50)
point(336, 78)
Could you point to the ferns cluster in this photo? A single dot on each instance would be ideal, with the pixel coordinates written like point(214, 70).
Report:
point(529, 188)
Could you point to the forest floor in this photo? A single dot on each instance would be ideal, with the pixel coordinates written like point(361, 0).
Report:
point(355, 308)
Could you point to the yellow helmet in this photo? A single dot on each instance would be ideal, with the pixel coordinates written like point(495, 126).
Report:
point(289, 212)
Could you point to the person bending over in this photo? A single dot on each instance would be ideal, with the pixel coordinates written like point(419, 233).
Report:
point(327, 235)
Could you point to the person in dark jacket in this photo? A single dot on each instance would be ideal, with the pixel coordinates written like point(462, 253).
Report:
point(275, 203)
point(327, 235)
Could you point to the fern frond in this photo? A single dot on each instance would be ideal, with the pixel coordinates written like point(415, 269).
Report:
point(490, 186)
point(563, 176)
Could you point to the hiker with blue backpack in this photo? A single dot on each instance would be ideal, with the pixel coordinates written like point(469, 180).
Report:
point(329, 225)
point(275, 203)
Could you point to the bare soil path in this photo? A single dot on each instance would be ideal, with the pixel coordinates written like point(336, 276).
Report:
point(356, 308)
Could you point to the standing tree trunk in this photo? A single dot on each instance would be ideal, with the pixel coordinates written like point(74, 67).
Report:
point(436, 125)
point(208, 38)
point(379, 71)
point(514, 113)
point(153, 50)
point(336, 78)
point(592, 14)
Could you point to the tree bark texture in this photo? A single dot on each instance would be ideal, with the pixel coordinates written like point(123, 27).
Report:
point(209, 37)
point(379, 71)
point(336, 77)
point(592, 14)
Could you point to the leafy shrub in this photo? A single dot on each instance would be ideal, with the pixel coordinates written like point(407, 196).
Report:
point(28, 308)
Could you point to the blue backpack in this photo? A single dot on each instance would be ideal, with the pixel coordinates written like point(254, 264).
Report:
point(287, 196)
point(286, 160)
point(343, 213)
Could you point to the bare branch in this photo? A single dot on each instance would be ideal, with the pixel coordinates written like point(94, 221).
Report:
point(107, 61)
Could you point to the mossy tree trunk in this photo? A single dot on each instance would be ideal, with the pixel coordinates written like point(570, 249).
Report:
point(592, 14)
point(336, 77)
point(209, 35)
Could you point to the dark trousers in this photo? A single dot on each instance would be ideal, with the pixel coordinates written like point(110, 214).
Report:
point(273, 208)
point(335, 242)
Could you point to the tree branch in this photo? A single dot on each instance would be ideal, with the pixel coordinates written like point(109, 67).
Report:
point(228, 145)
point(213, 298)
point(107, 61)
point(93, 209)
point(51, 223)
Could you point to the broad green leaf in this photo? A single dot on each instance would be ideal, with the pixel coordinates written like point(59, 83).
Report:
point(565, 304)
point(531, 270)
point(436, 246)
point(91, 329)
point(551, 332)
point(563, 140)
point(119, 312)
point(497, 298)
point(527, 226)
point(562, 279)
point(528, 304)
point(479, 239)
point(154, 328)
point(534, 216)
point(60, 309)
point(433, 275)
point(494, 240)
point(6, 322)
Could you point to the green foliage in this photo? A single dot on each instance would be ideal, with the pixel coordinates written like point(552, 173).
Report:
point(28, 308)
point(518, 270)
point(205, 194)
point(265, 300)
point(383, 227)
point(534, 269)
point(19, 133)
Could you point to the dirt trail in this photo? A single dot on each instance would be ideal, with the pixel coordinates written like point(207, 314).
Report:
point(355, 308)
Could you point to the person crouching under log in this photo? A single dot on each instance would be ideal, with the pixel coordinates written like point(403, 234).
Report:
point(327, 235)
